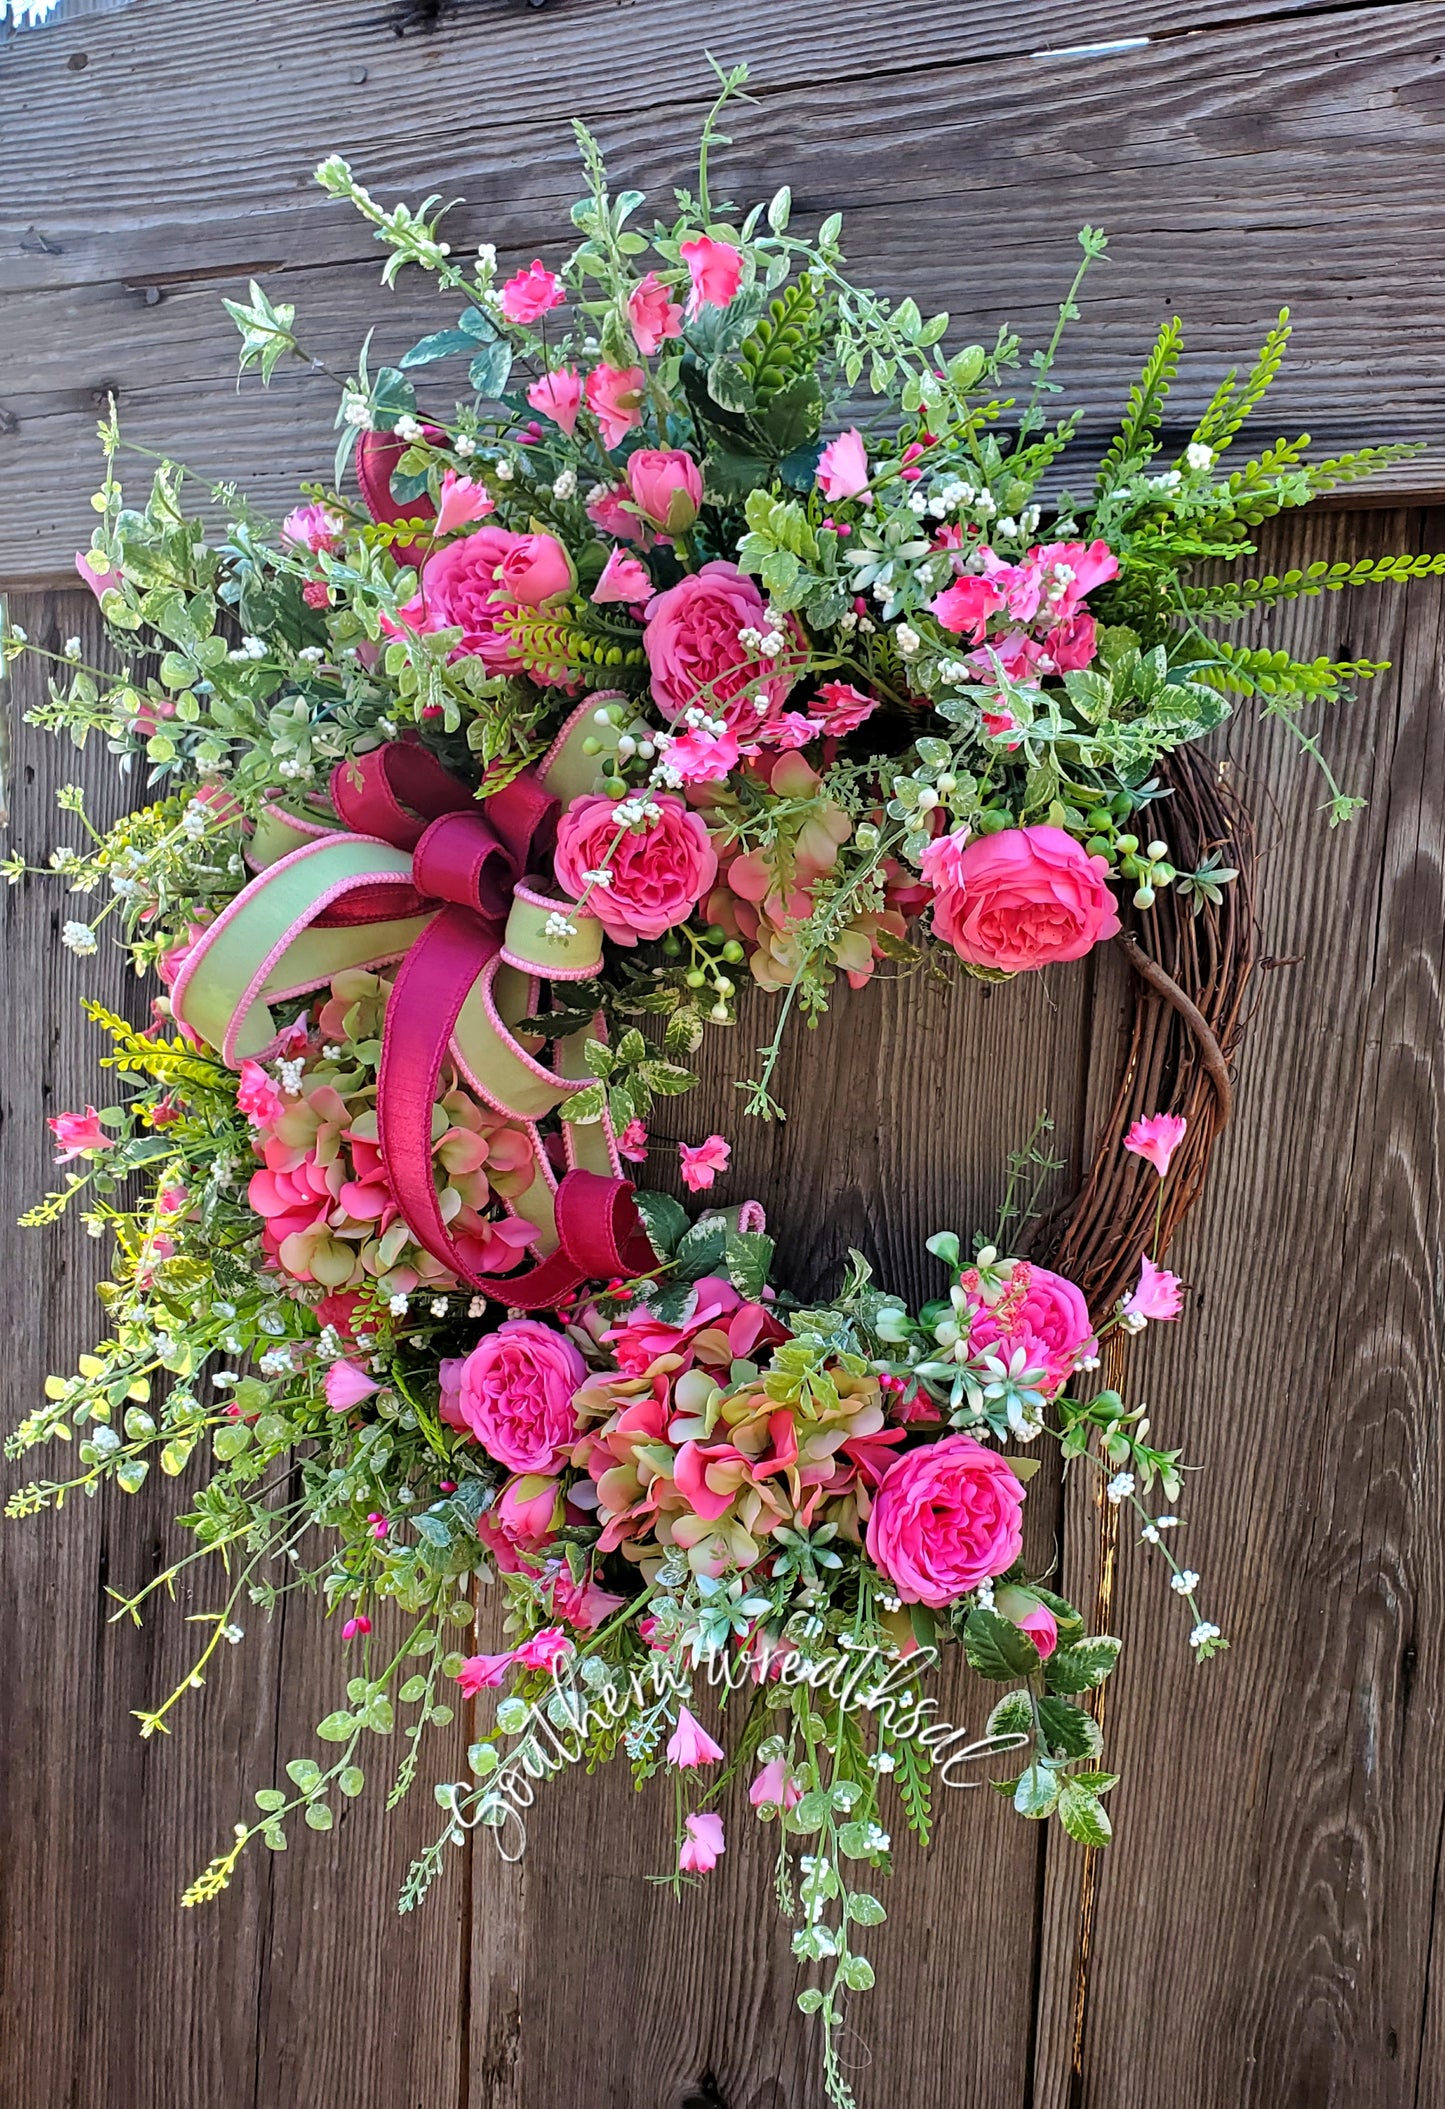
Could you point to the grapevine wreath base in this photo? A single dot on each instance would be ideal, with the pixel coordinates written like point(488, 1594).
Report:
point(477, 785)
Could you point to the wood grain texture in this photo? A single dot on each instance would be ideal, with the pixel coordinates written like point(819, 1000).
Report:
point(1238, 164)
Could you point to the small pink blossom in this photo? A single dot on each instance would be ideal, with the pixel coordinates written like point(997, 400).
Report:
point(528, 296)
point(316, 593)
point(313, 527)
point(702, 1163)
point(614, 396)
point(78, 1132)
point(481, 1673)
point(172, 1199)
point(258, 1097)
point(790, 731)
point(463, 500)
point(700, 757)
point(360, 1624)
point(624, 578)
point(558, 395)
point(346, 1386)
point(1157, 1136)
point(775, 1788)
point(609, 508)
point(543, 1649)
point(654, 315)
point(704, 1846)
point(632, 1143)
point(100, 581)
point(716, 269)
point(843, 466)
point(690, 1744)
point(966, 605)
point(1159, 1294)
point(845, 708)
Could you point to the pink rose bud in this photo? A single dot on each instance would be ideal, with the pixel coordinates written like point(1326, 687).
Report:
point(1031, 1615)
point(535, 569)
point(360, 1624)
point(666, 486)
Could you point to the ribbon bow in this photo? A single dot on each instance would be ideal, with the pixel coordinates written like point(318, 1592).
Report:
point(423, 873)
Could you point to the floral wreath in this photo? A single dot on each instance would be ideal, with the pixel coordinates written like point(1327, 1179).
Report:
point(617, 682)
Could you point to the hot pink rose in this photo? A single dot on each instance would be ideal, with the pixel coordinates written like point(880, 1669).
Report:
point(558, 396)
point(523, 1521)
point(515, 1395)
point(716, 269)
point(614, 396)
point(695, 655)
point(653, 314)
point(1020, 899)
point(1042, 1313)
point(945, 1518)
point(536, 568)
point(658, 872)
point(459, 589)
point(666, 487)
point(528, 296)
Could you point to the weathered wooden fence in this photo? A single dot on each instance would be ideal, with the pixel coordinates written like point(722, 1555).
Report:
point(1262, 1931)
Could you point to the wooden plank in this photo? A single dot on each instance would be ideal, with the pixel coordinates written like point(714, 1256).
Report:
point(112, 1993)
point(1254, 163)
point(1266, 1917)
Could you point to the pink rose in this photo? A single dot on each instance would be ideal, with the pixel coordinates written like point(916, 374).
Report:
point(945, 1518)
point(1020, 899)
point(78, 1132)
point(523, 1521)
point(658, 872)
point(666, 487)
point(528, 296)
point(459, 590)
point(653, 314)
point(614, 396)
point(558, 396)
point(515, 1395)
point(716, 269)
point(535, 569)
point(1049, 1321)
point(966, 605)
point(843, 466)
point(695, 655)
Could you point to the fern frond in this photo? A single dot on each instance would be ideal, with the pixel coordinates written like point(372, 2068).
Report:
point(783, 342)
point(1229, 408)
point(1238, 598)
point(1286, 683)
point(1133, 444)
point(574, 645)
point(166, 1062)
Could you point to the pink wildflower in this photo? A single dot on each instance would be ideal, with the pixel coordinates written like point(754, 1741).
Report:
point(690, 1743)
point(614, 396)
point(716, 269)
point(653, 314)
point(632, 1143)
point(360, 1624)
point(558, 395)
point(346, 1386)
point(257, 1097)
point(1157, 1137)
point(843, 466)
point(624, 578)
point(544, 1648)
point(76, 1133)
point(1158, 1295)
point(702, 1162)
point(528, 296)
point(481, 1673)
point(703, 1847)
point(463, 500)
point(775, 1788)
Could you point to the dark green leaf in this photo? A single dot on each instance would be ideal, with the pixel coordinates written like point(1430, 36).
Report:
point(997, 1649)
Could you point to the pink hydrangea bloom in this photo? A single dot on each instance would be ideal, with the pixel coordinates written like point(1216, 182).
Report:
point(690, 1743)
point(1159, 1294)
point(527, 297)
point(945, 1518)
point(657, 873)
point(702, 1163)
point(1157, 1136)
point(843, 466)
point(654, 315)
point(558, 395)
point(1021, 899)
point(614, 396)
point(346, 1386)
point(463, 500)
point(703, 1846)
point(514, 1395)
point(624, 578)
point(78, 1132)
point(716, 270)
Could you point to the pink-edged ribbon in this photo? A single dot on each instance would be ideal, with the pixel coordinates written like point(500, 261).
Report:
point(423, 873)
